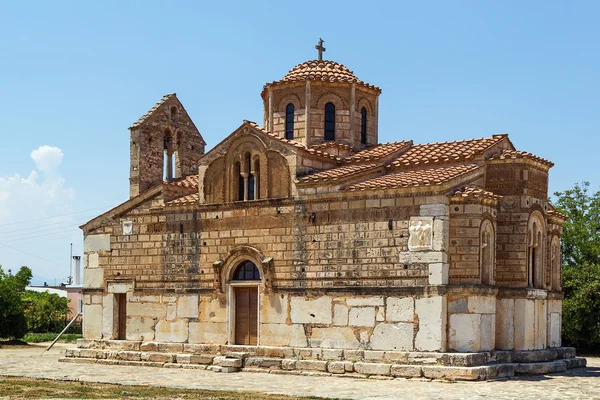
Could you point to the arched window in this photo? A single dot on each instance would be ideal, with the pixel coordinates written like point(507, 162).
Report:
point(168, 166)
point(256, 174)
point(246, 271)
point(535, 251)
point(238, 170)
point(556, 279)
point(173, 112)
point(487, 253)
point(363, 126)
point(289, 122)
point(329, 121)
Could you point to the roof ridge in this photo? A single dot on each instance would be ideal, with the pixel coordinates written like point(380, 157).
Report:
point(151, 111)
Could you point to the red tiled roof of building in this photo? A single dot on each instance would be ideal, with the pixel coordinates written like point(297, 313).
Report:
point(378, 151)
point(328, 145)
point(323, 71)
point(475, 192)
point(144, 117)
point(444, 152)
point(184, 200)
point(413, 178)
point(190, 181)
point(337, 174)
point(555, 213)
point(515, 154)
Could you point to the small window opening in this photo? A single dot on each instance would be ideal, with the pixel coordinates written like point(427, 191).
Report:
point(246, 271)
point(363, 125)
point(329, 121)
point(289, 122)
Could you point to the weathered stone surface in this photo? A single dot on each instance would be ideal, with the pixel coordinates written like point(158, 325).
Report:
point(421, 233)
point(92, 321)
point(524, 324)
point(333, 354)
point(482, 304)
point(283, 335)
point(208, 332)
point(458, 306)
point(274, 309)
point(362, 316)
point(140, 328)
point(110, 317)
point(187, 306)
point(96, 243)
point(172, 331)
point(488, 338)
point(93, 278)
point(335, 337)
point(406, 371)
point(464, 332)
point(153, 310)
point(554, 330)
point(432, 324)
point(505, 329)
point(372, 368)
point(455, 373)
point(93, 260)
point(340, 314)
point(336, 367)
point(438, 272)
point(317, 311)
point(227, 362)
point(288, 364)
point(311, 365)
point(398, 336)
point(364, 301)
point(212, 310)
point(400, 309)
point(158, 357)
point(119, 287)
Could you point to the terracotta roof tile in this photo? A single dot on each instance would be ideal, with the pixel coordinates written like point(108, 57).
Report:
point(187, 182)
point(412, 178)
point(144, 117)
point(378, 151)
point(555, 213)
point(337, 174)
point(514, 154)
point(444, 152)
point(475, 192)
point(324, 71)
point(328, 145)
point(184, 200)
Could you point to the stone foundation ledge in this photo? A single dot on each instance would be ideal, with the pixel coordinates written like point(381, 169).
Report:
point(324, 354)
point(318, 367)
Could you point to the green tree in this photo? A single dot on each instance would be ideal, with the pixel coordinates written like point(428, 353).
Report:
point(12, 318)
point(43, 310)
point(581, 266)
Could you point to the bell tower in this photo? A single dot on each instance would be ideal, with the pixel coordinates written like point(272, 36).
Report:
point(322, 101)
point(164, 146)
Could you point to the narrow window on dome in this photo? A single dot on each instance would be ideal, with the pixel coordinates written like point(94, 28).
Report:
point(329, 121)
point(363, 126)
point(289, 122)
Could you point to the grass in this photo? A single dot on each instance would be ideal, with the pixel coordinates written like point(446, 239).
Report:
point(27, 388)
point(48, 337)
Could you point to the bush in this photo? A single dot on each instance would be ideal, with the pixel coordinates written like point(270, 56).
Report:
point(49, 337)
point(45, 312)
point(12, 318)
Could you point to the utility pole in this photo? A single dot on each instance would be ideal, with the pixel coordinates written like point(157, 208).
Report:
point(70, 279)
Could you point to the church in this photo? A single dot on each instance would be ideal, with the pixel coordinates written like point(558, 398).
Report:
point(306, 246)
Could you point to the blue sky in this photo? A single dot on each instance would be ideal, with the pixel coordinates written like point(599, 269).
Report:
point(75, 75)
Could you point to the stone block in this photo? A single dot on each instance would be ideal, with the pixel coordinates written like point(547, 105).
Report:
point(337, 338)
point(110, 317)
point(364, 301)
point(397, 336)
point(120, 287)
point(222, 361)
point(354, 355)
point(260, 362)
point(187, 306)
point(311, 365)
point(432, 323)
point(406, 371)
point(505, 330)
point(373, 355)
point(93, 278)
point(211, 310)
point(314, 311)
point(554, 330)
point(455, 373)
point(170, 347)
point(283, 335)
point(158, 357)
point(140, 328)
point(340, 314)
point(288, 365)
point(129, 355)
point(336, 367)
point(152, 310)
point(362, 316)
point(434, 210)
point(200, 348)
point(482, 304)
point(93, 260)
point(400, 309)
point(177, 331)
point(458, 306)
point(438, 273)
point(92, 321)
point(465, 332)
point(524, 324)
point(333, 354)
point(274, 308)
point(208, 332)
point(372, 368)
point(96, 243)
point(380, 315)
point(488, 334)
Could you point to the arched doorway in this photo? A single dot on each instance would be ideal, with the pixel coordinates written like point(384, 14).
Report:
point(245, 282)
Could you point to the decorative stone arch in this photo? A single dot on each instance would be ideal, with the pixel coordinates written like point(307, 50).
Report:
point(555, 264)
point(246, 148)
point(487, 252)
point(331, 97)
point(290, 98)
point(364, 102)
point(213, 183)
point(536, 240)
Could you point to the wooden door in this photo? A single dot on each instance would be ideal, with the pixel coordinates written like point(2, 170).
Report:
point(246, 316)
point(122, 307)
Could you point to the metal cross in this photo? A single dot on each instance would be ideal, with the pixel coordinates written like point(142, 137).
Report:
point(320, 48)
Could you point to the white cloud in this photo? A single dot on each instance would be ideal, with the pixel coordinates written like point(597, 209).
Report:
point(47, 158)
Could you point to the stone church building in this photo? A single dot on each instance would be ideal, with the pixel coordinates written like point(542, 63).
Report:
point(304, 244)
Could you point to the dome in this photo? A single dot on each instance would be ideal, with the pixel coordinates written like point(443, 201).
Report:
point(321, 71)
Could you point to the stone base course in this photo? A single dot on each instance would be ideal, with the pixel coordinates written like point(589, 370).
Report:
point(328, 362)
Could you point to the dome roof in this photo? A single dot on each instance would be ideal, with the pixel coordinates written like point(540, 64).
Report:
point(323, 71)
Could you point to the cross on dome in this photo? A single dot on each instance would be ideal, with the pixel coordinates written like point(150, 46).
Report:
point(320, 48)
